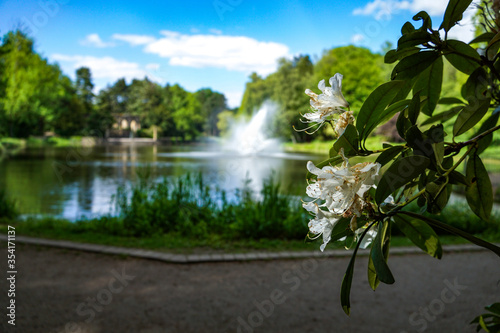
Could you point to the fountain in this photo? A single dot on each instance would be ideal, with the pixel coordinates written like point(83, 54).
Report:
point(251, 138)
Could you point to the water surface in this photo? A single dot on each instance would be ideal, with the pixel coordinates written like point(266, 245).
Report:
point(76, 182)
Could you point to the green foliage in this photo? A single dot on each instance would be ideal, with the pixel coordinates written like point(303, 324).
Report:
point(489, 322)
point(7, 207)
point(189, 206)
point(432, 123)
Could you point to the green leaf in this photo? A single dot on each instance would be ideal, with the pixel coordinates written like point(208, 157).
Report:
point(387, 114)
point(340, 229)
point(479, 193)
point(429, 84)
point(374, 105)
point(345, 289)
point(407, 28)
point(438, 194)
point(455, 231)
point(373, 279)
point(387, 155)
point(476, 85)
point(457, 178)
point(403, 123)
point(488, 124)
point(414, 108)
point(420, 143)
point(420, 233)
point(450, 100)
point(377, 255)
point(331, 161)
point(443, 116)
point(470, 116)
point(483, 38)
point(411, 39)
point(493, 46)
point(453, 13)
point(463, 56)
point(413, 65)
point(426, 20)
point(394, 55)
point(349, 141)
point(399, 173)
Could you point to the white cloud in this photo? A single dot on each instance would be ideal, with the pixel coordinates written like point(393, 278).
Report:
point(104, 68)
point(134, 40)
point(384, 9)
point(153, 67)
point(357, 38)
point(236, 53)
point(216, 31)
point(95, 41)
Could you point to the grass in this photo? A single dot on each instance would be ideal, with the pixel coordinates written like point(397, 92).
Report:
point(177, 243)
point(74, 141)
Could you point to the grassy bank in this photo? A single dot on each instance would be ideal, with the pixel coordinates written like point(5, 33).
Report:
point(74, 141)
point(188, 216)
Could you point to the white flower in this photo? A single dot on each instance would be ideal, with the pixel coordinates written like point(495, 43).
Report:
point(322, 224)
point(341, 191)
point(329, 103)
point(342, 188)
point(345, 119)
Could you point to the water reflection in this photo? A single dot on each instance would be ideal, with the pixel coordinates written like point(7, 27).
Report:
point(71, 182)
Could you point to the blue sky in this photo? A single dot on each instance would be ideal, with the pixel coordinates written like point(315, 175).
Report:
point(212, 43)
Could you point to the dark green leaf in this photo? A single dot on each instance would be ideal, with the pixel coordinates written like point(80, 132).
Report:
point(403, 124)
point(426, 20)
point(407, 28)
point(470, 116)
point(438, 194)
point(488, 124)
point(476, 85)
point(340, 229)
point(349, 141)
point(483, 38)
point(420, 143)
point(394, 55)
point(450, 100)
point(414, 38)
point(399, 173)
point(479, 193)
point(387, 114)
point(463, 56)
point(377, 255)
point(387, 155)
point(414, 108)
point(345, 289)
point(429, 84)
point(457, 178)
point(374, 105)
point(420, 233)
point(413, 65)
point(443, 116)
point(453, 13)
point(455, 231)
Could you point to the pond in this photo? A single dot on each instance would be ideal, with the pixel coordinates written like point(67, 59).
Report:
point(80, 182)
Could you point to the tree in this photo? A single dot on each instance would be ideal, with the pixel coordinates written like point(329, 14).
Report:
point(212, 103)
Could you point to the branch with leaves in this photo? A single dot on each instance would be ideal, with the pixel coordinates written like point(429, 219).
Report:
point(347, 205)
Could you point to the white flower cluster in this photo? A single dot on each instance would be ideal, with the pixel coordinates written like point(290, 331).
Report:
point(338, 191)
point(329, 105)
point(341, 192)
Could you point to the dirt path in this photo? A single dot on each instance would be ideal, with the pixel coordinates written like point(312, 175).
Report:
point(132, 295)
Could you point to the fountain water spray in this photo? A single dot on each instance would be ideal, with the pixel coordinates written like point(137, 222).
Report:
point(251, 138)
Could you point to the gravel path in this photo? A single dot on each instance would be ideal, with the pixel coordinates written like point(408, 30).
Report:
point(70, 291)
